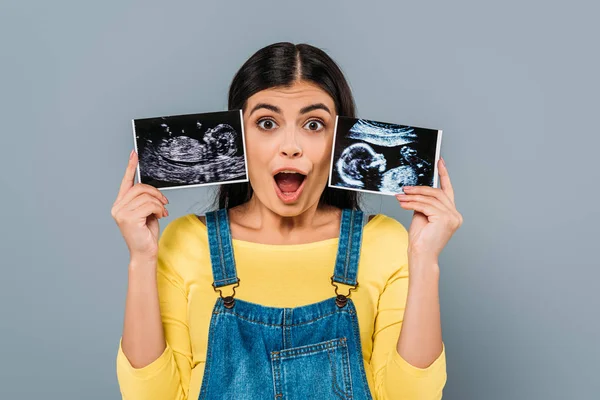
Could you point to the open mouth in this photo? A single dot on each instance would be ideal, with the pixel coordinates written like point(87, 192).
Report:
point(289, 185)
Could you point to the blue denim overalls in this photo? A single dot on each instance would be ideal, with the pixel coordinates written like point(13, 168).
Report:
point(309, 352)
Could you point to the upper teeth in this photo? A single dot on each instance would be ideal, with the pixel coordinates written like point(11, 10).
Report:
point(288, 171)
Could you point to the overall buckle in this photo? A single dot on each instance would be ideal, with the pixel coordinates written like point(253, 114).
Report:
point(341, 299)
point(229, 301)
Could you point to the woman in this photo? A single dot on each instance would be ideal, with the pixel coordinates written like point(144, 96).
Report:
point(291, 315)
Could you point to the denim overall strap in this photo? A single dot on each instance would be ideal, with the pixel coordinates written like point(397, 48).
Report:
point(348, 253)
point(221, 248)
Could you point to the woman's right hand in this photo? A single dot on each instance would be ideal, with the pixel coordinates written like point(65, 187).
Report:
point(137, 210)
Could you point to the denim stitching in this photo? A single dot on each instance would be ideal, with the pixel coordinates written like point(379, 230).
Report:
point(343, 280)
point(335, 387)
point(220, 244)
point(309, 348)
point(349, 247)
point(232, 280)
point(209, 350)
point(232, 312)
point(347, 372)
point(213, 243)
point(283, 329)
point(342, 245)
point(230, 246)
point(355, 328)
point(276, 374)
point(357, 245)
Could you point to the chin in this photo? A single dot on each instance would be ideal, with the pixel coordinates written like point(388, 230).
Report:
point(288, 210)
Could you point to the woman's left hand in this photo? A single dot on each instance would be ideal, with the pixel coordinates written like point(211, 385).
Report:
point(435, 218)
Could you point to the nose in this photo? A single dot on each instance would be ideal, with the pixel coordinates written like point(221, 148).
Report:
point(290, 147)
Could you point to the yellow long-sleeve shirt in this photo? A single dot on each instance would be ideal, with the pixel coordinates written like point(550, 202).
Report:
point(279, 276)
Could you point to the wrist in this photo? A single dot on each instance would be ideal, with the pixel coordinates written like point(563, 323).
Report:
point(141, 276)
point(142, 264)
point(423, 263)
point(425, 257)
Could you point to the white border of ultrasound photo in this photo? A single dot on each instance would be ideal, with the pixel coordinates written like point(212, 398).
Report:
point(435, 170)
point(137, 168)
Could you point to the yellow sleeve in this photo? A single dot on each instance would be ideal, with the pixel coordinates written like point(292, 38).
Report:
point(167, 377)
point(394, 377)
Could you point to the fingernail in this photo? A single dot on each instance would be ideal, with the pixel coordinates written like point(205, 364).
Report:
point(131, 155)
point(443, 162)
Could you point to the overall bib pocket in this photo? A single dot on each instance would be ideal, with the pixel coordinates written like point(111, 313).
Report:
point(315, 371)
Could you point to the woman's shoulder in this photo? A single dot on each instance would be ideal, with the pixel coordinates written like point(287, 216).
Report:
point(184, 228)
point(385, 241)
point(183, 246)
point(383, 225)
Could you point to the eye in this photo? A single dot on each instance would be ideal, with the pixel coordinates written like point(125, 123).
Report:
point(266, 124)
point(313, 125)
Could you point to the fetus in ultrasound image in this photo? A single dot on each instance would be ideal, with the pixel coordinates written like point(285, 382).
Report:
point(382, 157)
point(191, 149)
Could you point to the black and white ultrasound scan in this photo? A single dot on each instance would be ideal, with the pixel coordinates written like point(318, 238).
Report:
point(380, 157)
point(191, 150)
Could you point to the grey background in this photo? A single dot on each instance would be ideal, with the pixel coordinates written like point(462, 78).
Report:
point(513, 84)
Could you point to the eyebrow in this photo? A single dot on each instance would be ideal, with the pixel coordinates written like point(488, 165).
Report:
point(303, 110)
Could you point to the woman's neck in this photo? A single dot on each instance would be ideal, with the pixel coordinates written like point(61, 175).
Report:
point(253, 221)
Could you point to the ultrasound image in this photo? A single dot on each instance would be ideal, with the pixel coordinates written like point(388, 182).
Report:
point(193, 149)
point(383, 157)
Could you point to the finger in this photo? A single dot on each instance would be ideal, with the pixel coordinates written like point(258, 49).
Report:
point(137, 190)
point(430, 191)
point(424, 208)
point(434, 201)
point(148, 209)
point(453, 219)
point(135, 203)
point(445, 209)
point(445, 180)
point(140, 188)
point(129, 175)
point(143, 199)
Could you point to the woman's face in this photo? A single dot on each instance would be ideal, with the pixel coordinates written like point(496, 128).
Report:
point(292, 129)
